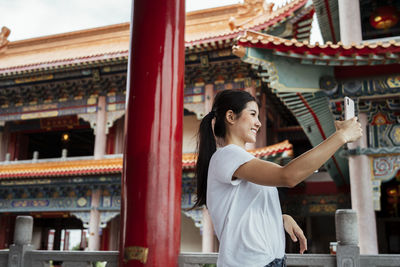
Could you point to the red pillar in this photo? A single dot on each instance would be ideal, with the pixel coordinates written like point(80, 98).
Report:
point(151, 182)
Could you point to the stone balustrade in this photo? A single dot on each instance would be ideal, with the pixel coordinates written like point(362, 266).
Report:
point(21, 253)
point(322, 260)
point(41, 258)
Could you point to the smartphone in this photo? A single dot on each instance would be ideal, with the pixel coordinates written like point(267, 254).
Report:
point(348, 108)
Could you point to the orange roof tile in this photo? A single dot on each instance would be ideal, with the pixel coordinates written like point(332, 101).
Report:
point(329, 52)
point(189, 159)
point(61, 168)
point(273, 150)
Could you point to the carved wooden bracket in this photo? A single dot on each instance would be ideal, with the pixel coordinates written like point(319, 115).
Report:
point(5, 32)
point(112, 116)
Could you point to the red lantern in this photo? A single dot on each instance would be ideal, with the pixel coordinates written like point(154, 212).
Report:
point(392, 191)
point(384, 17)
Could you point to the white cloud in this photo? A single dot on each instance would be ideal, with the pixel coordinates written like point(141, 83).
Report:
point(202, 4)
point(28, 19)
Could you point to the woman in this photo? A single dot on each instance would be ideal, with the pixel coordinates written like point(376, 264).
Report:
point(240, 190)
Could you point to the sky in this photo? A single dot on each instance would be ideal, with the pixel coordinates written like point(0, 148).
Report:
point(34, 18)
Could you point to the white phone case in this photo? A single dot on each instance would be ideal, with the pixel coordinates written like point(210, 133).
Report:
point(348, 108)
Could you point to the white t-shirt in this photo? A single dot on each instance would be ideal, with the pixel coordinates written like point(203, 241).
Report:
point(247, 217)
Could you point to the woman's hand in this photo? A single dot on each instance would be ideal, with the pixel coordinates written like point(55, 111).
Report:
point(295, 232)
point(350, 129)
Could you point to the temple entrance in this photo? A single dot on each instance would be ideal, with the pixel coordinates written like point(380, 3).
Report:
point(388, 219)
point(49, 137)
point(78, 142)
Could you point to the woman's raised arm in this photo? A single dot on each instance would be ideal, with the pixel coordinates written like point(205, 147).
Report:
point(270, 174)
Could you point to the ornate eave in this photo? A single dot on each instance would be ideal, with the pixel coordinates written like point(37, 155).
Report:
point(89, 61)
point(328, 54)
point(302, 23)
point(62, 92)
point(328, 19)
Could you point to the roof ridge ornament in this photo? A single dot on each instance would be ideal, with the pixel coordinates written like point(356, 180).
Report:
point(254, 9)
point(5, 32)
point(251, 7)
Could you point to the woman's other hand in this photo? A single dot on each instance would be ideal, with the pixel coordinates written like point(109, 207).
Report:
point(294, 231)
point(350, 129)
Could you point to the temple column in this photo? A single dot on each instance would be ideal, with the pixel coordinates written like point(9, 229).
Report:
point(99, 152)
point(57, 241)
point(359, 166)
point(152, 171)
point(100, 140)
point(208, 97)
point(207, 244)
point(350, 21)
point(252, 91)
point(3, 142)
point(208, 228)
point(2, 146)
point(4, 231)
point(119, 136)
point(361, 193)
point(114, 233)
point(44, 239)
point(262, 133)
point(94, 222)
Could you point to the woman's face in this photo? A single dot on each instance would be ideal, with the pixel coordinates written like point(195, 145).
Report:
point(247, 124)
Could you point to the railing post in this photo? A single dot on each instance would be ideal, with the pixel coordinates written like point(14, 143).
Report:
point(348, 252)
point(22, 241)
point(64, 153)
point(35, 156)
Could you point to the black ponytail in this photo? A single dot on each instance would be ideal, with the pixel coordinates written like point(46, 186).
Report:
point(235, 100)
point(206, 146)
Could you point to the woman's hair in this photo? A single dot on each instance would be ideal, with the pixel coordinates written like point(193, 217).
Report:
point(235, 100)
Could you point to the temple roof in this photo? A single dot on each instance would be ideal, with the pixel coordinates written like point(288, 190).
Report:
point(110, 165)
point(52, 52)
point(325, 54)
point(251, 15)
point(211, 28)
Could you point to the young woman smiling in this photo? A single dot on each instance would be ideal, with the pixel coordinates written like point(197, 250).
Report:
point(239, 190)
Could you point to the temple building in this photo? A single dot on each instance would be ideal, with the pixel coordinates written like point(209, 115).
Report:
point(62, 119)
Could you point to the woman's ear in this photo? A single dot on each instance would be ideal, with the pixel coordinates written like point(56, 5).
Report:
point(230, 117)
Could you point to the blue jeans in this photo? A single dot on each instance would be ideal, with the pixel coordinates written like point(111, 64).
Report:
point(277, 263)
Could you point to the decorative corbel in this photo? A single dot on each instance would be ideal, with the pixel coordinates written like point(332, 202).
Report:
point(91, 118)
point(5, 32)
point(197, 108)
point(113, 116)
